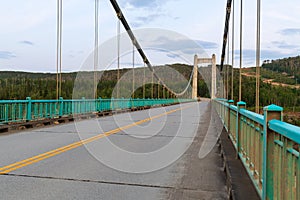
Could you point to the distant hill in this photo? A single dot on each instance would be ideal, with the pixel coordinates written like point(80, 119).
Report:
point(19, 85)
point(287, 66)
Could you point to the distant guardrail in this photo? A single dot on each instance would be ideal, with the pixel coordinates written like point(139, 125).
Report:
point(267, 146)
point(27, 110)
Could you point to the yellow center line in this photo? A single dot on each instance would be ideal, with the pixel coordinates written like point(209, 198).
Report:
point(43, 156)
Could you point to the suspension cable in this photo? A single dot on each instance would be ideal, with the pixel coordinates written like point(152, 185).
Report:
point(225, 35)
point(139, 49)
point(258, 56)
point(96, 46)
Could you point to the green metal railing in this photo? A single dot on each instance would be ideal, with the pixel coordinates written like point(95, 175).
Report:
point(26, 110)
point(267, 146)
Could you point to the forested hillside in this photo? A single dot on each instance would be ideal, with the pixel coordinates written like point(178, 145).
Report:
point(279, 85)
point(285, 95)
point(289, 66)
point(19, 85)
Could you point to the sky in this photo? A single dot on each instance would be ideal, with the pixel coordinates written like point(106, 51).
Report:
point(28, 31)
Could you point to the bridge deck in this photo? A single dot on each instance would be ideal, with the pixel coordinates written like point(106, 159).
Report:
point(76, 174)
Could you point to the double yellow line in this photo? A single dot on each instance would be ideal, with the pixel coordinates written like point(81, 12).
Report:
point(43, 156)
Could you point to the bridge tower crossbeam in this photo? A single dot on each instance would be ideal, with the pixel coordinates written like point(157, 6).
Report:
point(198, 61)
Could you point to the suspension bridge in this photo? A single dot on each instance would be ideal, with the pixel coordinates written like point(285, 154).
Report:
point(174, 145)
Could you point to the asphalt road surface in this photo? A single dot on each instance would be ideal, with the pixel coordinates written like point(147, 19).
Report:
point(149, 154)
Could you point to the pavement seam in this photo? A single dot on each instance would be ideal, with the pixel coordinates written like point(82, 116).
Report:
point(105, 182)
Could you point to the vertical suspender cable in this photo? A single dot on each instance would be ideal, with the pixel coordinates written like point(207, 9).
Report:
point(258, 56)
point(96, 47)
point(144, 82)
point(118, 49)
point(152, 85)
point(227, 70)
point(60, 48)
point(241, 50)
point(133, 69)
point(57, 46)
point(158, 88)
point(232, 42)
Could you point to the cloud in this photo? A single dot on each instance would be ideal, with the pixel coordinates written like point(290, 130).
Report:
point(74, 54)
point(173, 55)
point(142, 3)
point(249, 55)
point(284, 45)
point(145, 3)
point(139, 21)
point(290, 31)
point(26, 42)
point(146, 10)
point(185, 45)
point(207, 44)
point(6, 55)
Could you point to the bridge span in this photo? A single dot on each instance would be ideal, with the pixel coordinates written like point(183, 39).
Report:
point(51, 163)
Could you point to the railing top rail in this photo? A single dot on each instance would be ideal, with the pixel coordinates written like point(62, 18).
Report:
point(13, 101)
point(287, 130)
point(253, 116)
point(45, 101)
point(233, 107)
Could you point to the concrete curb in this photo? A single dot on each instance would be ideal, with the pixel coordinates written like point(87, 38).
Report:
point(239, 185)
point(19, 126)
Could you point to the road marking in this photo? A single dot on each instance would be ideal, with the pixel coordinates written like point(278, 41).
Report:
point(43, 156)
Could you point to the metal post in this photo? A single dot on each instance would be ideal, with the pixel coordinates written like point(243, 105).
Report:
point(230, 102)
point(83, 106)
point(270, 112)
point(28, 114)
point(6, 112)
point(112, 101)
point(61, 106)
point(99, 105)
point(240, 105)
